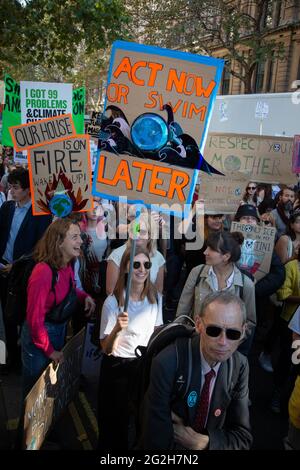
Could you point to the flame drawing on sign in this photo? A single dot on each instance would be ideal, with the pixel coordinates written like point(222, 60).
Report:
point(61, 184)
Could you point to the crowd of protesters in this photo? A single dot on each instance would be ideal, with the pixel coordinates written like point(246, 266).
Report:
point(168, 280)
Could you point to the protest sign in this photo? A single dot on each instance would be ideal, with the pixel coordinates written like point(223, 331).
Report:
point(11, 114)
point(265, 159)
point(93, 128)
point(158, 106)
point(51, 394)
point(78, 104)
point(41, 100)
point(1, 93)
point(257, 248)
point(20, 157)
point(61, 167)
point(222, 194)
point(296, 154)
point(35, 134)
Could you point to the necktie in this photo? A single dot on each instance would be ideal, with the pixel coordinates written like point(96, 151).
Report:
point(202, 411)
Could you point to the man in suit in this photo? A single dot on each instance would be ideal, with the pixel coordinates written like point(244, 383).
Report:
point(214, 413)
point(19, 232)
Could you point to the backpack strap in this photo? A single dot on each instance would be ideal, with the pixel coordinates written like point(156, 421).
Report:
point(233, 372)
point(184, 366)
point(241, 288)
point(199, 274)
point(53, 282)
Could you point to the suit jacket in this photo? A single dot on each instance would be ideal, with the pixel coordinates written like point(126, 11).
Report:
point(228, 424)
point(31, 230)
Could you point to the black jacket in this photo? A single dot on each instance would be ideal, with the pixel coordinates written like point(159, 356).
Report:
point(272, 281)
point(31, 230)
point(228, 423)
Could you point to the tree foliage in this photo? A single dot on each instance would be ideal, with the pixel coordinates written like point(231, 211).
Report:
point(206, 26)
point(48, 33)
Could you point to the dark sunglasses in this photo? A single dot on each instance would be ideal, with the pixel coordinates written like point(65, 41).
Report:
point(215, 331)
point(251, 187)
point(137, 264)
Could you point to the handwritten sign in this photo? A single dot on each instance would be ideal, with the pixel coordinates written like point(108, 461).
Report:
point(78, 109)
point(12, 109)
point(222, 194)
point(62, 166)
point(44, 131)
point(262, 158)
point(51, 394)
point(93, 128)
point(257, 248)
point(158, 106)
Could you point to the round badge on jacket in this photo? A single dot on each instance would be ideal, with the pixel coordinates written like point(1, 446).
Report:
point(192, 399)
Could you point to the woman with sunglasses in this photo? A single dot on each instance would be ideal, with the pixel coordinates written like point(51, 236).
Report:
point(248, 194)
point(219, 273)
point(147, 236)
point(120, 333)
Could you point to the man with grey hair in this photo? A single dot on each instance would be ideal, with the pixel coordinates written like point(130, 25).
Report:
point(213, 414)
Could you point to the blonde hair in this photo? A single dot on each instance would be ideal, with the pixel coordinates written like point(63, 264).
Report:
point(48, 248)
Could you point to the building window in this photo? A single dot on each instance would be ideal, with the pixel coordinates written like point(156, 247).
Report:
point(268, 14)
point(277, 14)
point(226, 77)
point(259, 79)
point(271, 65)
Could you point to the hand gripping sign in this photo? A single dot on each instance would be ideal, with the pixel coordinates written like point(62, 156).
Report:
point(153, 130)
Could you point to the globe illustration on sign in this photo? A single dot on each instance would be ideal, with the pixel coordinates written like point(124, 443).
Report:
point(149, 132)
point(232, 163)
point(60, 205)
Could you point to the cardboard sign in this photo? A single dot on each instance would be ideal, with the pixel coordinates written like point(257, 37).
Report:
point(158, 106)
point(35, 134)
point(263, 159)
point(257, 248)
point(78, 109)
point(41, 100)
point(296, 154)
point(51, 394)
point(12, 110)
point(93, 128)
point(222, 194)
point(62, 166)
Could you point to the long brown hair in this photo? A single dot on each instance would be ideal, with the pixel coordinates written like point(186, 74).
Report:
point(48, 249)
point(149, 290)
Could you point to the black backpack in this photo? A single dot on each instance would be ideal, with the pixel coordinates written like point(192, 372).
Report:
point(16, 304)
point(177, 331)
point(180, 332)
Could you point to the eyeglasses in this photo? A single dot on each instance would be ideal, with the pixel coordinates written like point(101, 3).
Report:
point(137, 264)
point(251, 187)
point(214, 331)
